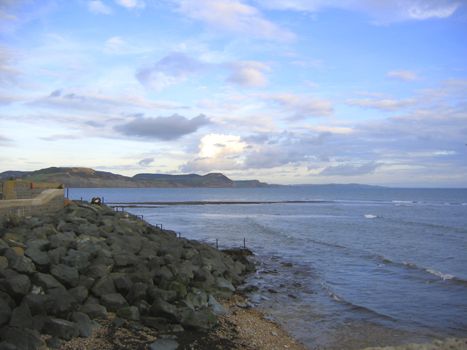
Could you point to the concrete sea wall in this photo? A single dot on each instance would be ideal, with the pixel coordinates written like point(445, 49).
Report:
point(46, 202)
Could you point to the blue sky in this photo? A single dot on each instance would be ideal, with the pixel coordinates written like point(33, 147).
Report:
point(285, 91)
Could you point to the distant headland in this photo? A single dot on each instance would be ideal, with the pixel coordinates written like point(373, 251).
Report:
point(89, 178)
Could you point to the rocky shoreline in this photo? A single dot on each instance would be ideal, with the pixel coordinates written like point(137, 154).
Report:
point(88, 268)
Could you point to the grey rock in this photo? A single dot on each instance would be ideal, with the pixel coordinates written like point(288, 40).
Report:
point(21, 317)
point(65, 274)
point(60, 303)
point(22, 339)
point(167, 295)
point(164, 344)
point(22, 264)
point(64, 240)
point(84, 324)
point(163, 274)
point(56, 255)
point(98, 270)
point(41, 244)
point(38, 322)
point(129, 313)
point(202, 319)
point(164, 309)
point(104, 285)
point(77, 259)
point(36, 303)
point(46, 281)
point(86, 281)
point(61, 328)
point(7, 346)
point(18, 286)
point(5, 312)
point(215, 306)
point(38, 256)
point(3, 262)
point(137, 292)
point(80, 293)
point(113, 301)
point(54, 343)
point(122, 282)
point(94, 311)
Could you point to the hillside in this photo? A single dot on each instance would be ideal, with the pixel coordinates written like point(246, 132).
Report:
point(86, 177)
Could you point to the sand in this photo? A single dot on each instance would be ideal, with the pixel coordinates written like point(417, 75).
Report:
point(241, 328)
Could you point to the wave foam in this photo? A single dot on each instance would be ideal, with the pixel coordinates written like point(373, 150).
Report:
point(370, 216)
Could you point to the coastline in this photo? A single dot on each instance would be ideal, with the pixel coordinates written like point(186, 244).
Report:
point(241, 328)
point(77, 262)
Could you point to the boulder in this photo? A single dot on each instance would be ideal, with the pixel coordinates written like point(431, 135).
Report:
point(21, 264)
point(18, 286)
point(22, 338)
point(129, 312)
point(36, 303)
point(77, 259)
point(203, 319)
point(38, 256)
point(63, 240)
point(65, 274)
point(94, 311)
point(21, 317)
point(104, 285)
point(164, 344)
point(164, 309)
point(61, 328)
point(60, 303)
point(80, 293)
point(84, 324)
point(113, 301)
point(3, 262)
point(5, 312)
point(56, 255)
point(46, 281)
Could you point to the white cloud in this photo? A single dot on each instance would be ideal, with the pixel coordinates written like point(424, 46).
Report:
point(405, 75)
point(8, 74)
point(98, 7)
point(384, 104)
point(114, 44)
point(131, 4)
point(248, 74)
point(234, 16)
point(349, 169)
point(381, 11)
point(169, 70)
point(217, 152)
point(301, 106)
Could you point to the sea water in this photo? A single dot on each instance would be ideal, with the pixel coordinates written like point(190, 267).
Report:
point(340, 267)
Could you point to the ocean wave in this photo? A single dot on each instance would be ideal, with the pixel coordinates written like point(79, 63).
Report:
point(427, 224)
point(413, 266)
point(353, 306)
point(327, 244)
point(370, 216)
point(443, 276)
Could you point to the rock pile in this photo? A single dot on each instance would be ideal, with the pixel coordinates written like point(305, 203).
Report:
point(59, 274)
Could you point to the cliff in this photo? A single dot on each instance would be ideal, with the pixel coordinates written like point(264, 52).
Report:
point(86, 177)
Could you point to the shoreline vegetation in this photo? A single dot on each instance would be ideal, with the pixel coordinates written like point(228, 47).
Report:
point(88, 278)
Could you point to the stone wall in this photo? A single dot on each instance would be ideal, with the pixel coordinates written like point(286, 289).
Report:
point(19, 189)
point(47, 202)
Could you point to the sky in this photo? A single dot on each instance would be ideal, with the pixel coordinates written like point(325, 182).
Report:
point(284, 91)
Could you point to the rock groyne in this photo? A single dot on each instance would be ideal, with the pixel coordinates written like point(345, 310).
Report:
point(61, 274)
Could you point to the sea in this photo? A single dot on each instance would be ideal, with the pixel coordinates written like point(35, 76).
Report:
point(339, 266)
